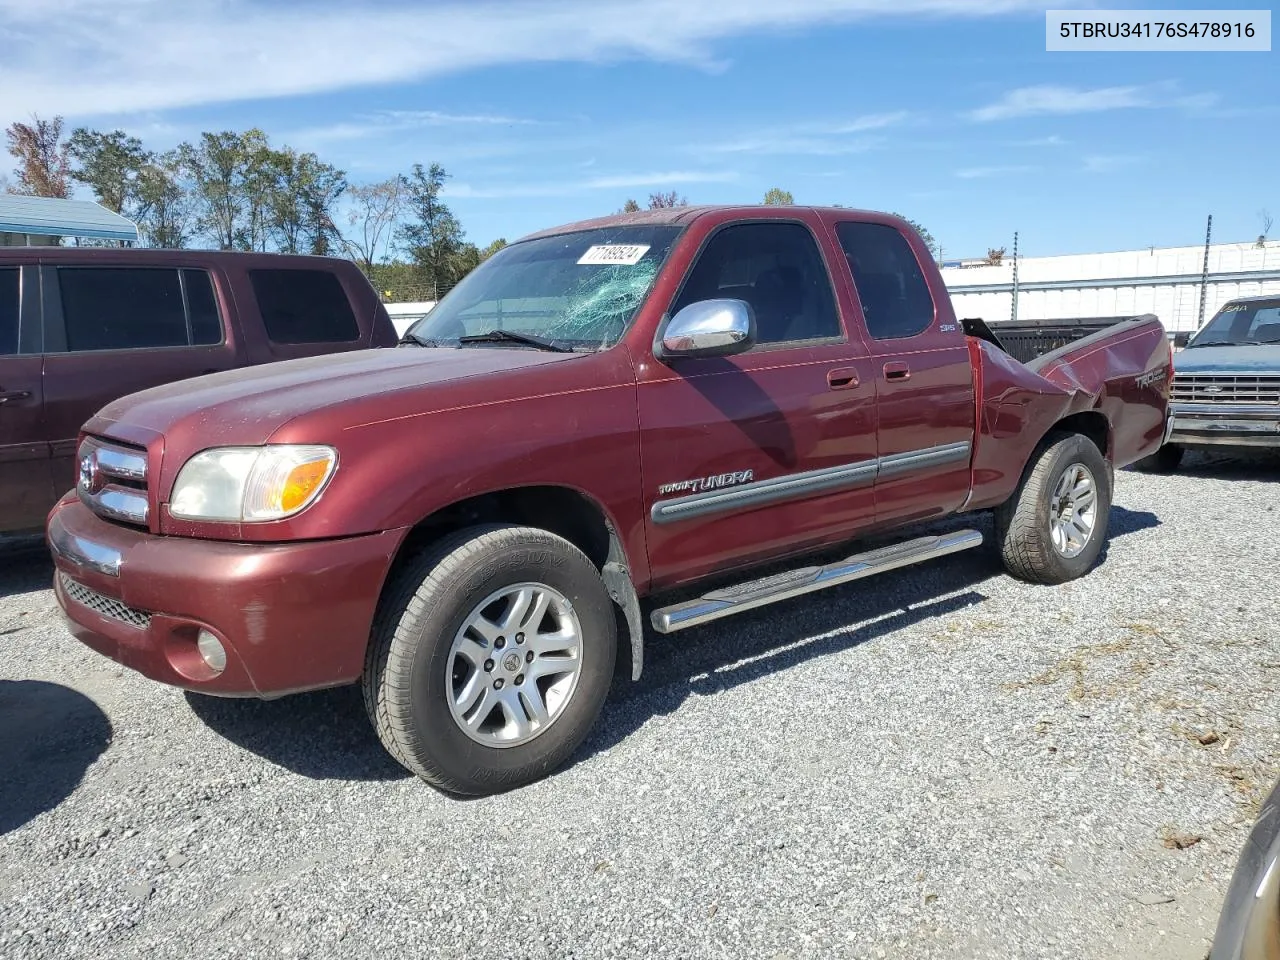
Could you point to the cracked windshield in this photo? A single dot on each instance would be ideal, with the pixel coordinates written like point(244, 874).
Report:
point(575, 290)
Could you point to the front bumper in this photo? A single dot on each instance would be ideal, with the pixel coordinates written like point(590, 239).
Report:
point(1235, 425)
point(291, 617)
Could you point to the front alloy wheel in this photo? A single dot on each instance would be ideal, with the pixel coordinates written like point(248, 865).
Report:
point(514, 664)
point(491, 656)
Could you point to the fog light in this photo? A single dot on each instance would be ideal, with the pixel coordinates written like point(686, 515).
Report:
point(212, 651)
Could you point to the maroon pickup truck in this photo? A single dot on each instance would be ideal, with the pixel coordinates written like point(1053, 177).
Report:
point(82, 326)
point(624, 419)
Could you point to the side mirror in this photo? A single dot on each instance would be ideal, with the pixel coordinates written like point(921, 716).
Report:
point(710, 328)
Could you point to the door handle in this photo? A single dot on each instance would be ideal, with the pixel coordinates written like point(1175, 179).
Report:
point(897, 370)
point(6, 396)
point(843, 378)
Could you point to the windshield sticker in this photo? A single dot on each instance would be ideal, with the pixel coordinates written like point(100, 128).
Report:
point(626, 254)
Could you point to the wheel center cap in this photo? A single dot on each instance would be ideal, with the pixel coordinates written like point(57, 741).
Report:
point(511, 662)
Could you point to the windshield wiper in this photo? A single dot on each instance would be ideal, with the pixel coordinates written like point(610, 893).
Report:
point(1215, 343)
point(513, 336)
point(413, 338)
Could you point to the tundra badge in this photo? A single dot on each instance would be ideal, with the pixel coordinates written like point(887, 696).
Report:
point(707, 483)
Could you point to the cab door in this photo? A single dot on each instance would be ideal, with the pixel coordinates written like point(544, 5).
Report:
point(26, 493)
point(920, 360)
point(768, 451)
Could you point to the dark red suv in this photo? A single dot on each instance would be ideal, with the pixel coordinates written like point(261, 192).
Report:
point(80, 328)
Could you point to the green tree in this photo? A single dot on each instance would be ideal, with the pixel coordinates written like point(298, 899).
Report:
point(110, 165)
point(630, 207)
point(44, 166)
point(493, 248)
point(166, 204)
point(930, 244)
point(777, 197)
point(433, 237)
point(233, 177)
point(302, 198)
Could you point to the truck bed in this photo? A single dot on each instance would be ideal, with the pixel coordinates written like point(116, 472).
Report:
point(1114, 381)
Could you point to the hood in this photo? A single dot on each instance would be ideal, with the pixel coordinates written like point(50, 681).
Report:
point(247, 405)
point(1247, 358)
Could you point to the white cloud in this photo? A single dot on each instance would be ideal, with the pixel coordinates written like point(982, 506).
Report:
point(783, 144)
point(977, 173)
point(94, 57)
point(385, 122)
point(614, 182)
point(830, 138)
point(1053, 100)
point(1100, 163)
point(1050, 141)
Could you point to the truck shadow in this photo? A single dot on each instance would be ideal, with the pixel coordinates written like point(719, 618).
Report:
point(25, 567)
point(739, 650)
point(51, 735)
point(326, 735)
point(1237, 465)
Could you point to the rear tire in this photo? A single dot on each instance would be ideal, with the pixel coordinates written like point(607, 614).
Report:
point(491, 658)
point(1165, 460)
point(1054, 526)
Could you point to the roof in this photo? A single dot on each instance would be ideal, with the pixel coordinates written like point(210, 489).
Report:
point(52, 217)
point(673, 215)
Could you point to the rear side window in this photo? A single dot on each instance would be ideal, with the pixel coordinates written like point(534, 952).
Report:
point(895, 298)
point(8, 311)
point(130, 308)
point(202, 307)
point(775, 267)
point(304, 306)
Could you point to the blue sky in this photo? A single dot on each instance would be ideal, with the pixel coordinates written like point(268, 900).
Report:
point(545, 111)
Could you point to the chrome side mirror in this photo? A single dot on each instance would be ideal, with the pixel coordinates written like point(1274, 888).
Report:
point(710, 328)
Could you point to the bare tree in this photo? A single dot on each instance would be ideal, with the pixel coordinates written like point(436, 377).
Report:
point(995, 256)
point(1267, 221)
point(44, 166)
point(659, 201)
point(376, 210)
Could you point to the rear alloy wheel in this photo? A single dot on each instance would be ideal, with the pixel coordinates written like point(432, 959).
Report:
point(1074, 511)
point(491, 657)
point(1054, 526)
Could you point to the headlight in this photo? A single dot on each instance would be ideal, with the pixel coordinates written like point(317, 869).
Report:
point(248, 484)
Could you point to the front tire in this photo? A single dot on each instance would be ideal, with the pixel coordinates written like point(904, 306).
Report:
point(1053, 527)
point(491, 658)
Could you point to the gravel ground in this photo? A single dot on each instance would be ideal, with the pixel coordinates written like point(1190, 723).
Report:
point(940, 763)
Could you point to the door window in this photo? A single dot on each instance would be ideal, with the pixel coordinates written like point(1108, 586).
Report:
point(131, 308)
point(8, 311)
point(775, 267)
point(895, 297)
point(304, 306)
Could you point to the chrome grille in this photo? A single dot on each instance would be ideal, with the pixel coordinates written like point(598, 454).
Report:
point(111, 480)
point(105, 606)
point(1226, 388)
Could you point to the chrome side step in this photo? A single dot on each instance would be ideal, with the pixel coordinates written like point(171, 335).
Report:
point(793, 583)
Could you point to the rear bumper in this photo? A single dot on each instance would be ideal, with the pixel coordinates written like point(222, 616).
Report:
point(1235, 425)
point(291, 617)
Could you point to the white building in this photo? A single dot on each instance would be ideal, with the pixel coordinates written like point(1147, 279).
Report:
point(1165, 281)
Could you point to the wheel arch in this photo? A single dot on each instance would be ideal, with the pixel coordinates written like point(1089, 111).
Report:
point(562, 510)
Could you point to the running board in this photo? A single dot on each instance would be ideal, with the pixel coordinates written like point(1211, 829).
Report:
point(793, 583)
